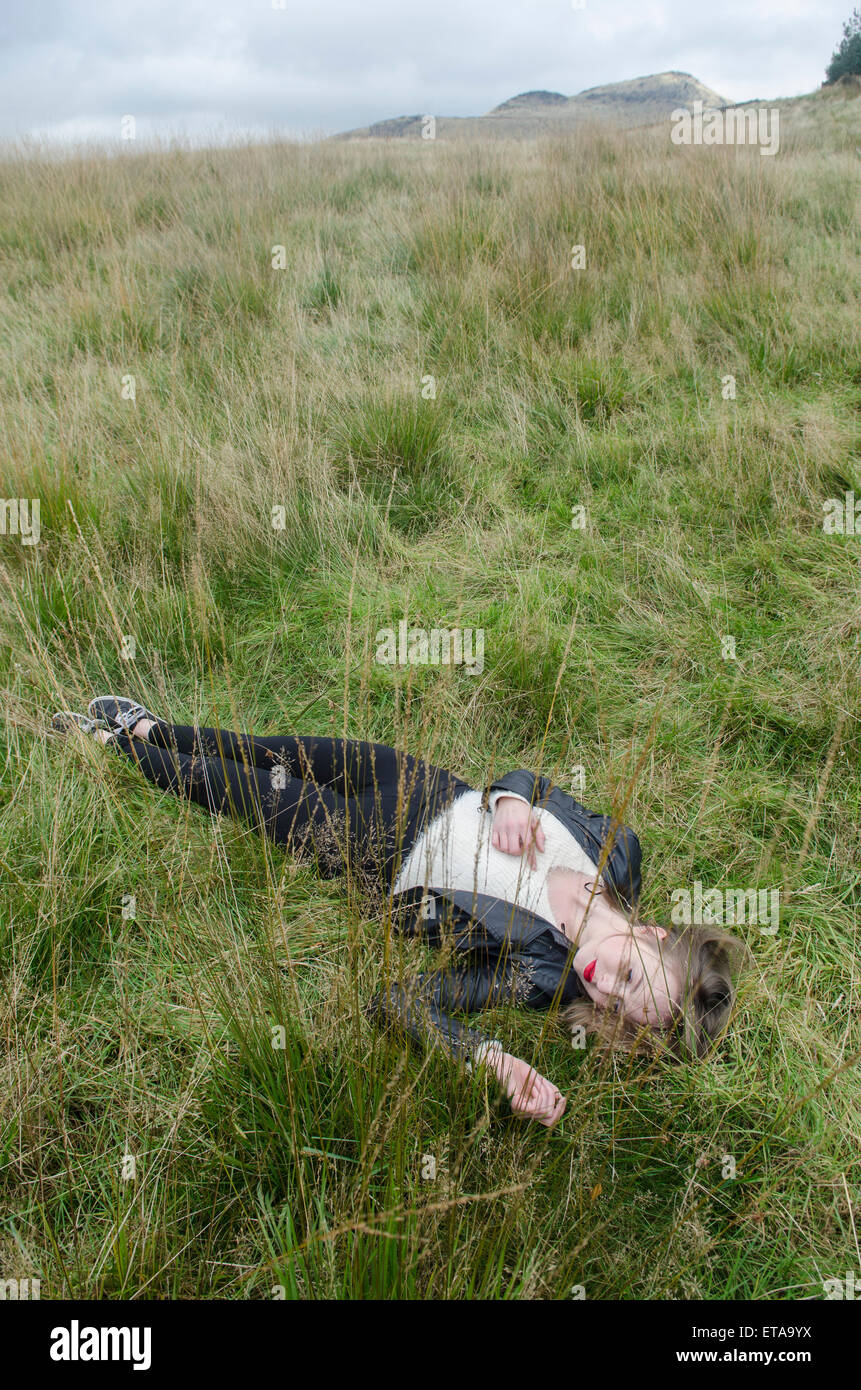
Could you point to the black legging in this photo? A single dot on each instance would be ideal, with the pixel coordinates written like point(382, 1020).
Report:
point(347, 801)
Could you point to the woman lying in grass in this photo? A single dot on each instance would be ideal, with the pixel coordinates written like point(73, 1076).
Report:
point(534, 896)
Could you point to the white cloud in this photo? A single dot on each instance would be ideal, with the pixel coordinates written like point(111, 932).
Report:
point(76, 68)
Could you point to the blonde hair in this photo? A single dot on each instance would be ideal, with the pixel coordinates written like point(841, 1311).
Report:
point(706, 958)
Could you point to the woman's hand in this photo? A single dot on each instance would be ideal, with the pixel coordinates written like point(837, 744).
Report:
point(516, 829)
point(530, 1093)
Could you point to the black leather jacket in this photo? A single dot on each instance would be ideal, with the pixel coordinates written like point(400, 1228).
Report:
point(500, 952)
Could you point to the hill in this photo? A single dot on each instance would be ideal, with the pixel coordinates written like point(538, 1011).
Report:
point(637, 102)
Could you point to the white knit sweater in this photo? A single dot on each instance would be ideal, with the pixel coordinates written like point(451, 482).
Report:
point(455, 852)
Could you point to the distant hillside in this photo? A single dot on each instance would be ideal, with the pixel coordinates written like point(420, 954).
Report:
point(531, 101)
point(640, 101)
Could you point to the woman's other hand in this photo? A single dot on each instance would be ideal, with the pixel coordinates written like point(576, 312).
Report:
point(532, 1096)
point(517, 830)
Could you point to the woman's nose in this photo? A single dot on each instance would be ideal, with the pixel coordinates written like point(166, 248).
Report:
point(611, 979)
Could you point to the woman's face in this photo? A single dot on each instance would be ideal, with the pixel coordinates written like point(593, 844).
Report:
point(621, 966)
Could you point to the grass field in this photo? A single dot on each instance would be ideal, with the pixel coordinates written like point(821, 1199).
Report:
point(153, 1141)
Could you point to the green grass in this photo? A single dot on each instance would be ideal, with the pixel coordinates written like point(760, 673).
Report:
point(301, 1168)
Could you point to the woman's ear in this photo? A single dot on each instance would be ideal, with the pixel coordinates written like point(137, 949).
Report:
point(651, 929)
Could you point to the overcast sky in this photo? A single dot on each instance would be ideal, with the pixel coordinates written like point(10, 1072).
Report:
point(72, 69)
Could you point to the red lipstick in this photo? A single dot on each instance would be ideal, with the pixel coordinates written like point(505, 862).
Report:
point(589, 972)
